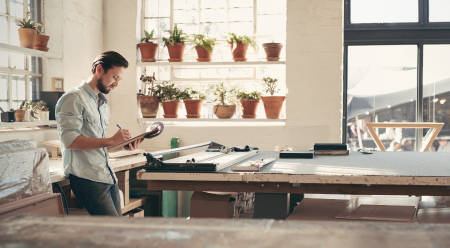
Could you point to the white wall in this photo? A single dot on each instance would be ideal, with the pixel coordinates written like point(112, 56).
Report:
point(313, 77)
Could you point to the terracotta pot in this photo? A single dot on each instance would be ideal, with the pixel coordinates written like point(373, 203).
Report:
point(149, 106)
point(193, 108)
point(27, 37)
point(272, 106)
point(240, 52)
point(44, 115)
point(224, 111)
point(249, 107)
point(148, 51)
point(203, 54)
point(20, 115)
point(41, 42)
point(176, 52)
point(273, 51)
point(171, 108)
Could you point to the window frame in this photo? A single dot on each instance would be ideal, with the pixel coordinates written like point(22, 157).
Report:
point(27, 58)
point(420, 34)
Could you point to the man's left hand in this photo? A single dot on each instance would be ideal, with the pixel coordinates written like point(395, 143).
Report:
point(134, 145)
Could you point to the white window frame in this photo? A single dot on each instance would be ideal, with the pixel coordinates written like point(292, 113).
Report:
point(19, 72)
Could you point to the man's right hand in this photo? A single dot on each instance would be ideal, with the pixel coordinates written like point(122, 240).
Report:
point(121, 136)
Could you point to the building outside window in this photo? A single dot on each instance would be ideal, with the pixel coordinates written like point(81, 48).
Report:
point(20, 75)
point(397, 69)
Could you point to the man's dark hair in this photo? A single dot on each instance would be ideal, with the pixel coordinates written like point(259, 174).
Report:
point(108, 60)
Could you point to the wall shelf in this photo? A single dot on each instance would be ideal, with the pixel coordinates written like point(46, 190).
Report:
point(230, 63)
point(208, 120)
point(31, 52)
point(26, 124)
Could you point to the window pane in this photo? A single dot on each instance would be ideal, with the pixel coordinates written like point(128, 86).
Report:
point(34, 7)
point(436, 92)
point(241, 3)
point(14, 33)
point(188, 29)
point(35, 65)
point(4, 87)
point(214, 4)
point(438, 10)
point(241, 28)
point(159, 25)
point(270, 7)
point(185, 4)
point(4, 105)
point(17, 61)
point(16, 8)
point(18, 88)
point(36, 84)
point(157, 8)
point(213, 15)
point(3, 6)
point(273, 25)
point(214, 29)
point(384, 11)
point(185, 16)
point(382, 86)
point(186, 73)
point(3, 29)
point(241, 14)
point(3, 59)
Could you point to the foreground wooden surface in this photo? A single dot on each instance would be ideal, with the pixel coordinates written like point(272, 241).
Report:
point(41, 231)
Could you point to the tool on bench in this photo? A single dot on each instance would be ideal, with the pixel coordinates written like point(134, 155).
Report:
point(254, 166)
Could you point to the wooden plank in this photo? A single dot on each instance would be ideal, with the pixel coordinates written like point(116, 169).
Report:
point(268, 187)
point(124, 153)
point(134, 203)
point(332, 152)
point(235, 176)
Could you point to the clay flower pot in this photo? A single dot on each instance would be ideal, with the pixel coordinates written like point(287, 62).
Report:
point(224, 111)
point(148, 51)
point(240, 52)
point(20, 115)
point(249, 107)
point(193, 107)
point(171, 108)
point(27, 37)
point(41, 42)
point(273, 51)
point(176, 52)
point(149, 106)
point(272, 106)
point(203, 54)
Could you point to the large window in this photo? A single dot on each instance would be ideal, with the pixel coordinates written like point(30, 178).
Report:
point(20, 75)
point(264, 19)
point(396, 70)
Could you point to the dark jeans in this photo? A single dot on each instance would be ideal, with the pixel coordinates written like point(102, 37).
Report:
point(97, 198)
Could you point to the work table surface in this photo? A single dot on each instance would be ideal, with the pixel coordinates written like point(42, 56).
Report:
point(81, 231)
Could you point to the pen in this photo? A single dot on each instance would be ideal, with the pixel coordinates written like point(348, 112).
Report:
point(118, 126)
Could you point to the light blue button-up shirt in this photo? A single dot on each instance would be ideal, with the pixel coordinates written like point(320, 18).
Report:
point(80, 112)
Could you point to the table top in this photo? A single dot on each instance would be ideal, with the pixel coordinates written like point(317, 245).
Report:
point(87, 231)
point(383, 168)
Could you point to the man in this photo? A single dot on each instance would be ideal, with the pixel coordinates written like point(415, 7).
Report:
point(82, 115)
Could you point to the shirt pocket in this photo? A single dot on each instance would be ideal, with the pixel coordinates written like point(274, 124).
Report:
point(93, 126)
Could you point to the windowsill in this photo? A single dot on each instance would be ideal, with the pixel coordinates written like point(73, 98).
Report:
point(31, 52)
point(212, 122)
point(26, 124)
point(212, 63)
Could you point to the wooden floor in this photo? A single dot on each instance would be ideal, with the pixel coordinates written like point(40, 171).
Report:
point(41, 231)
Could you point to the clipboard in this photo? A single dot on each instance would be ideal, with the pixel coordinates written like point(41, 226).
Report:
point(152, 131)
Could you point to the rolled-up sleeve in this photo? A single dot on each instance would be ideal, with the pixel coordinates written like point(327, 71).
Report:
point(69, 116)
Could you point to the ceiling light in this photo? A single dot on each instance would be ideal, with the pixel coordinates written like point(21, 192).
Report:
point(435, 99)
point(442, 101)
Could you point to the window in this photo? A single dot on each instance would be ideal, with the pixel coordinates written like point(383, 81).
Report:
point(396, 72)
point(20, 75)
point(262, 18)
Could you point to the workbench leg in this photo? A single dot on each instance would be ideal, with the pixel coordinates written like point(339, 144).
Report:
point(271, 206)
point(293, 200)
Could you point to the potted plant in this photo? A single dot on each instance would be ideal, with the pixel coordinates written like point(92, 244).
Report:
point(148, 48)
point(272, 104)
point(19, 114)
point(169, 95)
point(272, 50)
point(44, 113)
point(148, 101)
point(193, 100)
point(27, 33)
point(35, 111)
point(41, 42)
point(204, 47)
point(250, 103)
point(239, 45)
point(175, 44)
point(225, 99)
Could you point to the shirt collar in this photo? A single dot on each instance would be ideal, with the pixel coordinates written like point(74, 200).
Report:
point(91, 92)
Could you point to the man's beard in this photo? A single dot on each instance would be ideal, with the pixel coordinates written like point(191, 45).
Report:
point(101, 87)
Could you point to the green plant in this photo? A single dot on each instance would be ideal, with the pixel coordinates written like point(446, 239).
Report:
point(147, 80)
point(244, 39)
point(224, 94)
point(203, 41)
point(166, 91)
point(148, 36)
point(270, 85)
point(176, 36)
point(254, 95)
point(27, 24)
point(34, 107)
point(190, 93)
point(42, 106)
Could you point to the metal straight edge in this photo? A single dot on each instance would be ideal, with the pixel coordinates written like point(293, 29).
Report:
point(180, 149)
point(204, 155)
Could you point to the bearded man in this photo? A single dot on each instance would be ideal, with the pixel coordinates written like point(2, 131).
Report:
point(82, 116)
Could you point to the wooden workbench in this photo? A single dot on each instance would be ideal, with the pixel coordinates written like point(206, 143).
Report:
point(380, 173)
point(80, 231)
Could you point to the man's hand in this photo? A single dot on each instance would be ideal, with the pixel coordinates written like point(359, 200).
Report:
point(121, 136)
point(134, 145)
